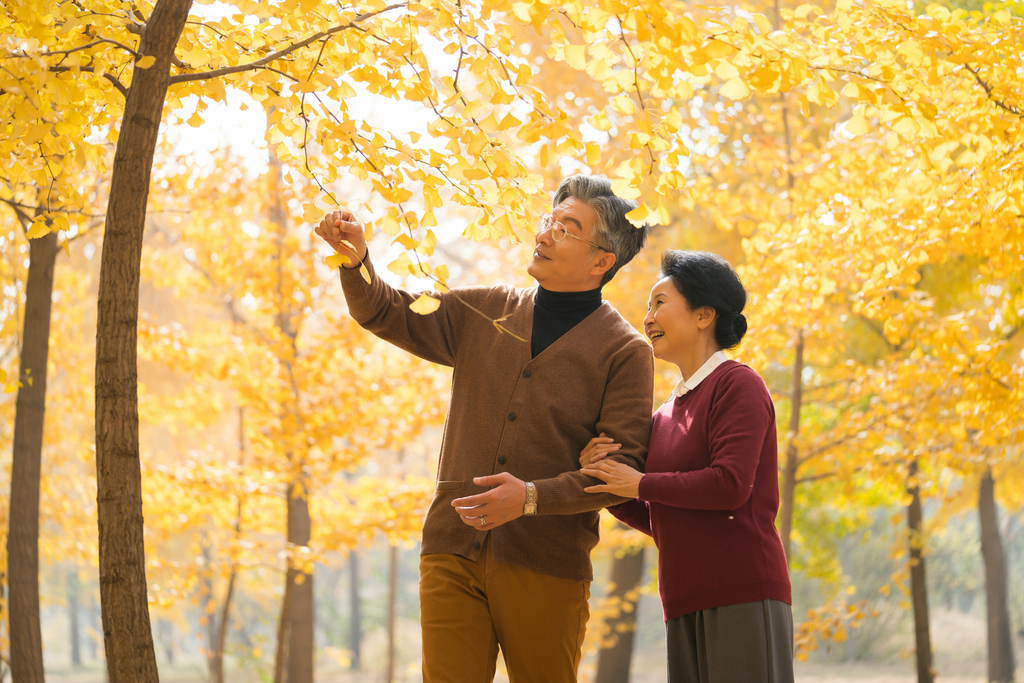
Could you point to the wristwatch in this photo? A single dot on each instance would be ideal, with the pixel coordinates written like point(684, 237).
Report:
point(531, 499)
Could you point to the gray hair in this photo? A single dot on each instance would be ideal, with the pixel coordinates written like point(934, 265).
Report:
point(613, 229)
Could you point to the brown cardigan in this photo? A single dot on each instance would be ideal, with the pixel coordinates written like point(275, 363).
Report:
point(513, 413)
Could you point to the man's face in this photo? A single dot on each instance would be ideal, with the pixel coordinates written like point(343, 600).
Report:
point(567, 266)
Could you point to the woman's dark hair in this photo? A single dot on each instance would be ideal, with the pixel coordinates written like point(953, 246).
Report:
point(707, 279)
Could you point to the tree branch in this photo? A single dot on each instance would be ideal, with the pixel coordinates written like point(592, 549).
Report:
point(88, 69)
point(260, 63)
point(19, 205)
point(94, 43)
point(23, 217)
point(991, 95)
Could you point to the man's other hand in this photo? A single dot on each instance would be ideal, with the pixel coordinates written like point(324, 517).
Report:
point(491, 509)
point(340, 227)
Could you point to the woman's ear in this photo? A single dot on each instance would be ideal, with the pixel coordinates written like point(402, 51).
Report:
point(706, 316)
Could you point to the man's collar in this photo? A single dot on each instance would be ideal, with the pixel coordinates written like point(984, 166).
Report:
point(685, 386)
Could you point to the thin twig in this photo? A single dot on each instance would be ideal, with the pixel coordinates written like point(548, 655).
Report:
point(216, 73)
point(991, 95)
point(88, 69)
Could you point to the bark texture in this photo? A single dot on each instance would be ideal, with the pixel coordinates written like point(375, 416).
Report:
point(613, 662)
point(295, 632)
point(127, 634)
point(918, 581)
point(218, 632)
point(1000, 630)
point(30, 409)
point(792, 464)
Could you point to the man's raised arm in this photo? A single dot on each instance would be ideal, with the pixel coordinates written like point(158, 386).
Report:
point(380, 308)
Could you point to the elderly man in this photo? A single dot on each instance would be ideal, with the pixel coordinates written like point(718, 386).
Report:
point(505, 562)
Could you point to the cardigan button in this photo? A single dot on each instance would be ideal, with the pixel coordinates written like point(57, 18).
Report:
point(526, 374)
point(476, 545)
point(501, 460)
point(511, 417)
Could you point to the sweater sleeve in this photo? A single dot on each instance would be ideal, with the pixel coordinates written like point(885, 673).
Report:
point(625, 416)
point(634, 513)
point(384, 310)
point(739, 416)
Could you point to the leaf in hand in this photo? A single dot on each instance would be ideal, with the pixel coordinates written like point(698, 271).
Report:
point(336, 260)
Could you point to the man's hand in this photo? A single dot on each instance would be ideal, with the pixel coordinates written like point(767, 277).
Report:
point(597, 449)
point(340, 227)
point(622, 480)
point(501, 504)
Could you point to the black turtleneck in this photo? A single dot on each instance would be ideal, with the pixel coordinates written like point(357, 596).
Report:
point(555, 313)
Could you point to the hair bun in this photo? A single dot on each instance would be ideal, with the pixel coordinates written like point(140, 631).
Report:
point(739, 325)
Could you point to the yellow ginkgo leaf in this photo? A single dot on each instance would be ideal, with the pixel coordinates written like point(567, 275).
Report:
point(735, 89)
point(38, 229)
point(858, 125)
point(145, 62)
point(337, 260)
point(424, 305)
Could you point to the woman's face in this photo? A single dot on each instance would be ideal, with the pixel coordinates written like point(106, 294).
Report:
point(675, 330)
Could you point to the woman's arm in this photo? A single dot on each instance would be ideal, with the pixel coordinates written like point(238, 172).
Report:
point(634, 513)
point(740, 417)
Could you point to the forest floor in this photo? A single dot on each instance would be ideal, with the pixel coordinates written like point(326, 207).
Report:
point(879, 652)
point(805, 673)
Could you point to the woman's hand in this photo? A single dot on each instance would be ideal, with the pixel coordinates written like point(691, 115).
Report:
point(622, 480)
point(598, 447)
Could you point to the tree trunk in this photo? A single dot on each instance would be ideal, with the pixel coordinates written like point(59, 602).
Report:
point(613, 662)
point(26, 464)
point(219, 635)
point(792, 464)
point(918, 581)
point(389, 676)
point(355, 631)
point(1000, 631)
point(218, 628)
point(73, 609)
point(127, 633)
point(295, 632)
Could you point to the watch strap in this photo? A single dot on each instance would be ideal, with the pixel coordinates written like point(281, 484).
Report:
point(531, 499)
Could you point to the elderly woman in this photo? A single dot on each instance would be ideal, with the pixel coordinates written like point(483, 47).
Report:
point(710, 494)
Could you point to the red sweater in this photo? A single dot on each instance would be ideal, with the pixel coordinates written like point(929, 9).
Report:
point(710, 496)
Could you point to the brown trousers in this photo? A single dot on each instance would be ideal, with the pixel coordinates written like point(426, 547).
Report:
point(471, 610)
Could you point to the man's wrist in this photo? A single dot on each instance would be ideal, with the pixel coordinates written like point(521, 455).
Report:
point(531, 499)
point(354, 262)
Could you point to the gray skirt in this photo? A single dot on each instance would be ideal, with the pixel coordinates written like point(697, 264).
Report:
point(747, 643)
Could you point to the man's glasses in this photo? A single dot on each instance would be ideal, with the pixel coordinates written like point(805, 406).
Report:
point(559, 231)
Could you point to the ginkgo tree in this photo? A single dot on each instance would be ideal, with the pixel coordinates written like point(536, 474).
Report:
point(314, 394)
point(878, 81)
point(73, 69)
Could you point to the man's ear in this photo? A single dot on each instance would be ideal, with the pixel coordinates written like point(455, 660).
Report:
point(603, 264)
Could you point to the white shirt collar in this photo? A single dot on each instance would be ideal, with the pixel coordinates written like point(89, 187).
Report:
point(685, 386)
